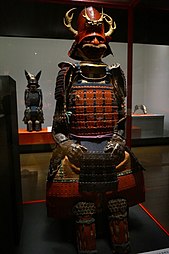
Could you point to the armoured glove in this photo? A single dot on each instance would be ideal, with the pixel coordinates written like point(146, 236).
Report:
point(116, 146)
point(66, 147)
point(73, 151)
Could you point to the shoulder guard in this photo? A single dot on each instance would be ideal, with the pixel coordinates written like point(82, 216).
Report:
point(65, 65)
point(62, 79)
point(39, 91)
point(27, 90)
point(119, 80)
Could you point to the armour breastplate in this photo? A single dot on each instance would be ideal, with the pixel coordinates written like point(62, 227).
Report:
point(92, 102)
point(32, 99)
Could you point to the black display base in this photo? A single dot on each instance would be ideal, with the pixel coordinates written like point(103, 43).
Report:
point(43, 235)
point(150, 141)
point(35, 148)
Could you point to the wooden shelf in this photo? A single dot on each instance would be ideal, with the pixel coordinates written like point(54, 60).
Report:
point(35, 137)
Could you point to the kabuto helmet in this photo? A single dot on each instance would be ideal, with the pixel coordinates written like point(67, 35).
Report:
point(32, 79)
point(89, 23)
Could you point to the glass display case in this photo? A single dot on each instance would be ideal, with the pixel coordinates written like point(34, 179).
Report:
point(35, 46)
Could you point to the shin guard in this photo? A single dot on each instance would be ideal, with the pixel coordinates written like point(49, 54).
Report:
point(29, 126)
point(118, 223)
point(37, 125)
point(85, 227)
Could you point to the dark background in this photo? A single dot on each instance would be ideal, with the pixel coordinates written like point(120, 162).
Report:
point(44, 19)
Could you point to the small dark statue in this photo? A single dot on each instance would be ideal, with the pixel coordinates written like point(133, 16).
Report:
point(33, 115)
point(92, 173)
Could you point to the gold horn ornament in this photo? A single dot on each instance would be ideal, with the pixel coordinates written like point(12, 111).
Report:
point(110, 22)
point(68, 20)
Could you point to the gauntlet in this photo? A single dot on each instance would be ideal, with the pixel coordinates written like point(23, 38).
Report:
point(70, 149)
point(116, 146)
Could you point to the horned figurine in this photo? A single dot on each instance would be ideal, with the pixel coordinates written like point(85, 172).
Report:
point(91, 164)
point(33, 114)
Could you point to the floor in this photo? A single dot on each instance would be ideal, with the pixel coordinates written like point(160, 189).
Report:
point(41, 234)
point(155, 159)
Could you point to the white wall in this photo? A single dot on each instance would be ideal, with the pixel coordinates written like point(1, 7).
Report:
point(151, 79)
point(150, 71)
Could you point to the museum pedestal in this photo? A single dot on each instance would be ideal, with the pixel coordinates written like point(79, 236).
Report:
point(10, 179)
point(151, 125)
point(35, 137)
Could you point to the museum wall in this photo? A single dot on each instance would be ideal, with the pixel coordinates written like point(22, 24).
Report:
point(150, 71)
